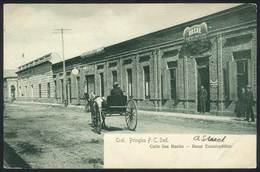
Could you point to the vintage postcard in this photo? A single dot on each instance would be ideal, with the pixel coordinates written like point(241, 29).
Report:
point(130, 85)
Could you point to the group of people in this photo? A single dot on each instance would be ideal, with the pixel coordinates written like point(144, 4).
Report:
point(245, 103)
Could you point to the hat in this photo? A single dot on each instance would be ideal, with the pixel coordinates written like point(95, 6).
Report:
point(248, 86)
point(115, 84)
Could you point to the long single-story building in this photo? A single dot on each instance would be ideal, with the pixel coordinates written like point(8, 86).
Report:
point(35, 79)
point(164, 70)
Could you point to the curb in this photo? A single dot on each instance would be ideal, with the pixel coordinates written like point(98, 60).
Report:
point(154, 113)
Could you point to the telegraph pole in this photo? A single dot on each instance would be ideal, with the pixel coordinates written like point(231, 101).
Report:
point(61, 31)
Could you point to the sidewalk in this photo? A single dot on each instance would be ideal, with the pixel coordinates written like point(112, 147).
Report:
point(206, 117)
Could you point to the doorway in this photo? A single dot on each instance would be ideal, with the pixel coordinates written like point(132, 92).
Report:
point(203, 80)
point(102, 88)
point(68, 90)
point(90, 83)
point(13, 92)
point(242, 75)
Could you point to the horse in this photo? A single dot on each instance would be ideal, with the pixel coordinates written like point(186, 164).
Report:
point(96, 102)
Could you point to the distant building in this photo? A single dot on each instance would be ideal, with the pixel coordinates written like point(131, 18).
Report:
point(10, 85)
point(35, 80)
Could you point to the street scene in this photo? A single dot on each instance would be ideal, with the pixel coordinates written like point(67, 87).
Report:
point(81, 71)
point(57, 137)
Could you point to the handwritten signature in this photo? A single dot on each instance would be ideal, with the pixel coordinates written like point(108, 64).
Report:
point(205, 138)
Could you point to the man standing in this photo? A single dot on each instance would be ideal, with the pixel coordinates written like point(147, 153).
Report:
point(249, 102)
point(86, 94)
point(240, 106)
point(203, 95)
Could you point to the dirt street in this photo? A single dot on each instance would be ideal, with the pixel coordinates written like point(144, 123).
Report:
point(57, 137)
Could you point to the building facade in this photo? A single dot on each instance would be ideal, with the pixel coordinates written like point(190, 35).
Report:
point(165, 69)
point(35, 80)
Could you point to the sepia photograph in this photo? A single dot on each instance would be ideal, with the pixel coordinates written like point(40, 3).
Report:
point(129, 85)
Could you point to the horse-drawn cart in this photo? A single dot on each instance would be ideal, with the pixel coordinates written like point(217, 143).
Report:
point(115, 106)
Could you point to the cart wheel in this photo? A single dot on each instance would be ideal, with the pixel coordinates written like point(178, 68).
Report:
point(131, 115)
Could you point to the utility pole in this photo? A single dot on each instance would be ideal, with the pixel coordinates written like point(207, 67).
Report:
point(61, 31)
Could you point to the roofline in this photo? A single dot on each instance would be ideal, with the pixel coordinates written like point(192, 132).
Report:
point(31, 67)
point(32, 63)
point(60, 62)
point(191, 22)
point(10, 77)
point(187, 23)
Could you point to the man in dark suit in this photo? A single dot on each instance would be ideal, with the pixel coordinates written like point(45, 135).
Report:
point(116, 91)
point(203, 96)
point(249, 102)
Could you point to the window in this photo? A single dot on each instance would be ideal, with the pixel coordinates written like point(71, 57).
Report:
point(102, 84)
point(114, 76)
point(40, 91)
point(48, 90)
point(146, 82)
point(129, 82)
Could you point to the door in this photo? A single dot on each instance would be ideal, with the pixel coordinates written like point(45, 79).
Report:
point(203, 80)
point(62, 90)
point(242, 75)
point(90, 83)
point(69, 90)
point(102, 88)
point(13, 92)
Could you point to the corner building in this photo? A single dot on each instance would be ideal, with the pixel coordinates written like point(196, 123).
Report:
point(164, 70)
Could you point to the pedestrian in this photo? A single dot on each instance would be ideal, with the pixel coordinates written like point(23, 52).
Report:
point(86, 96)
point(240, 108)
point(203, 96)
point(12, 97)
point(249, 102)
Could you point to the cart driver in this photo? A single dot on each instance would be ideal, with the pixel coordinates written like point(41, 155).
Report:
point(116, 91)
